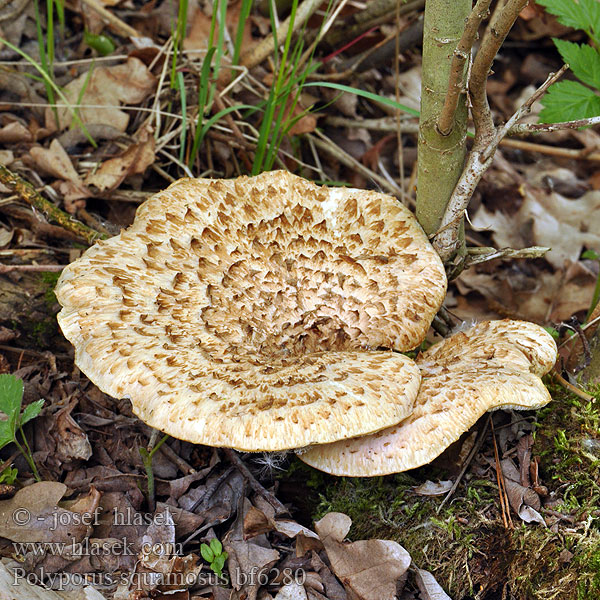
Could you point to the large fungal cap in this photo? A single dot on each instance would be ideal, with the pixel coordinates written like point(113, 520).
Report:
point(251, 313)
point(495, 364)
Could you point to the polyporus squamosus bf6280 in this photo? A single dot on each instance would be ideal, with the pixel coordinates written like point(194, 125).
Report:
point(493, 365)
point(251, 313)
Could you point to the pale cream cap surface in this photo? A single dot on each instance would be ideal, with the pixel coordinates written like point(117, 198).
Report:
point(493, 365)
point(251, 313)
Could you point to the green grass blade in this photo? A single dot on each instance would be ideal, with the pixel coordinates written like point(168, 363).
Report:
point(218, 117)
point(364, 94)
point(55, 88)
point(203, 93)
point(239, 34)
point(182, 95)
point(178, 37)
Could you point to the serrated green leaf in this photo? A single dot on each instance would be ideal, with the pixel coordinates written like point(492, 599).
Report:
point(7, 434)
point(11, 394)
point(31, 411)
point(216, 546)
point(583, 14)
point(583, 59)
point(568, 101)
point(207, 554)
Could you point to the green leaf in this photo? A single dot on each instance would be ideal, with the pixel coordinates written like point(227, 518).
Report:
point(207, 554)
point(7, 434)
point(569, 101)
point(11, 394)
point(218, 564)
point(216, 546)
point(9, 475)
point(583, 14)
point(583, 59)
point(31, 411)
point(591, 254)
point(101, 43)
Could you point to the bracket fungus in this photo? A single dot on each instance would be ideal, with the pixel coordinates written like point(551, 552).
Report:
point(493, 365)
point(257, 313)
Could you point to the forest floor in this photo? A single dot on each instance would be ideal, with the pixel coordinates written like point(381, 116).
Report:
point(99, 122)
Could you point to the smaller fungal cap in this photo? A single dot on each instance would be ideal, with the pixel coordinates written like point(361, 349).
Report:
point(494, 365)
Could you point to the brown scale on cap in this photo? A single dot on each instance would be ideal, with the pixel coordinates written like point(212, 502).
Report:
point(252, 313)
point(493, 365)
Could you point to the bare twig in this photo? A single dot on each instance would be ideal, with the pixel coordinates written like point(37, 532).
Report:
point(504, 504)
point(31, 268)
point(257, 53)
point(524, 109)
point(456, 83)
point(28, 193)
point(481, 255)
point(326, 145)
point(572, 388)
point(526, 128)
point(234, 458)
point(114, 22)
point(583, 154)
point(476, 446)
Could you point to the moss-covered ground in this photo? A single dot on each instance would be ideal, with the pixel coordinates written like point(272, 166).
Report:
point(464, 541)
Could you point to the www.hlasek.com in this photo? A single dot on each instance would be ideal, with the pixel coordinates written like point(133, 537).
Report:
point(144, 580)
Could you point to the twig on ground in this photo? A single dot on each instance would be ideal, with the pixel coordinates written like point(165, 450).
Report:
point(31, 268)
point(572, 388)
point(234, 458)
point(257, 53)
point(385, 124)
point(27, 193)
point(465, 466)
point(456, 83)
point(114, 22)
point(583, 154)
point(504, 504)
point(326, 145)
point(172, 456)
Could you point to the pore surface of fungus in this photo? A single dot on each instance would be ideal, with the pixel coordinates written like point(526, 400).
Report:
point(252, 313)
point(493, 365)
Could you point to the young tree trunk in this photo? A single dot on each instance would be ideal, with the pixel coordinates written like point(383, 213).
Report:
point(441, 157)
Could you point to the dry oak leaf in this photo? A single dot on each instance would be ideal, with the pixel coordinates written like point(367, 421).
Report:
point(368, 569)
point(106, 89)
point(547, 218)
point(136, 159)
point(32, 515)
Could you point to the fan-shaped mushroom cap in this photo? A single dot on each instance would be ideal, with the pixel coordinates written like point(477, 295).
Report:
point(494, 365)
point(247, 313)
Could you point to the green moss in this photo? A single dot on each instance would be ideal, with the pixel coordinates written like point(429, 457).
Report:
point(464, 542)
point(49, 280)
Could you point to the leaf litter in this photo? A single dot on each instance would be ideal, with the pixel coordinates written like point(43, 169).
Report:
point(90, 443)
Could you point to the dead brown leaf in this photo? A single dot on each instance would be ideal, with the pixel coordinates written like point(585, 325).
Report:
point(368, 569)
point(136, 159)
point(33, 515)
point(105, 90)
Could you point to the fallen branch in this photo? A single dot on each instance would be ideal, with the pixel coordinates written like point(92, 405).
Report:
point(28, 194)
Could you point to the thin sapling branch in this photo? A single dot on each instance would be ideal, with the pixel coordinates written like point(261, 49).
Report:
point(456, 83)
